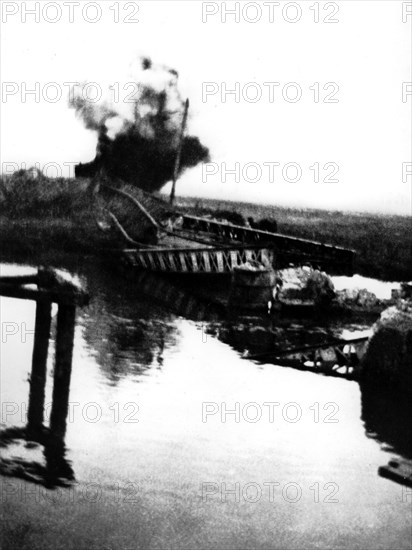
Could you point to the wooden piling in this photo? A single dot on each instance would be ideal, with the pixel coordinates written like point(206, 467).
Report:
point(39, 366)
point(62, 369)
point(52, 287)
point(179, 152)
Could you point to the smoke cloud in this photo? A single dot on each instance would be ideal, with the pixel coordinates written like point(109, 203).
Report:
point(138, 134)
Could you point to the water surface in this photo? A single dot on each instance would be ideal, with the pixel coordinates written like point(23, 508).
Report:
point(158, 459)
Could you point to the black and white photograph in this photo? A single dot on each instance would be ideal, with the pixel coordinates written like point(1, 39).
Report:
point(206, 275)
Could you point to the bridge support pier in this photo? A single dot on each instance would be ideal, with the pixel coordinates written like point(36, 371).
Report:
point(39, 367)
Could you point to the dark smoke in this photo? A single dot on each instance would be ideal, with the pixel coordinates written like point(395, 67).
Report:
point(138, 141)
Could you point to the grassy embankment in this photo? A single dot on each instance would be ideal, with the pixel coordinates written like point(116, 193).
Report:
point(39, 215)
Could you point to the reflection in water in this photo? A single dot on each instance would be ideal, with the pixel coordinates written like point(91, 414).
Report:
point(387, 419)
point(130, 337)
point(124, 346)
point(260, 335)
point(129, 326)
point(53, 471)
point(125, 330)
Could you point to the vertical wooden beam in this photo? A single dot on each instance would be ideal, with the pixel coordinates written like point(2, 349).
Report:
point(179, 152)
point(62, 370)
point(39, 366)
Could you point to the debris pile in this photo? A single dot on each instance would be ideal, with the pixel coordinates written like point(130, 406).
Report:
point(388, 359)
point(357, 297)
point(305, 285)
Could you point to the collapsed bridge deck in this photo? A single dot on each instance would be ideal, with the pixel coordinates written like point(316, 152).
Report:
point(165, 239)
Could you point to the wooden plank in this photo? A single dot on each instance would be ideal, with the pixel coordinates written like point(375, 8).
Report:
point(234, 258)
point(151, 260)
point(172, 261)
point(182, 261)
point(20, 280)
point(162, 263)
point(39, 366)
point(66, 318)
point(399, 471)
point(219, 259)
point(55, 296)
point(194, 262)
point(207, 261)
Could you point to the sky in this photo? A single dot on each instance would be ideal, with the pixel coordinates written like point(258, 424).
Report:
point(321, 117)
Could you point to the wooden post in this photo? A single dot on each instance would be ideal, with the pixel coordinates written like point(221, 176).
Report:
point(62, 369)
point(179, 152)
point(39, 366)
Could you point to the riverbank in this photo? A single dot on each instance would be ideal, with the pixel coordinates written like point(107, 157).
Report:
point(38, 214)
point(34, 237)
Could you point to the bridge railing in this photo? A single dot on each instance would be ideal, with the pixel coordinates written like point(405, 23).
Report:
point(288, 249)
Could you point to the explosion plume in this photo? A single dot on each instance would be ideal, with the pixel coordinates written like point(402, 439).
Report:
point(138, 139)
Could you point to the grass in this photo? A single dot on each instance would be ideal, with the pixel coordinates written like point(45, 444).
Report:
point(38, 214)
point(41, 214)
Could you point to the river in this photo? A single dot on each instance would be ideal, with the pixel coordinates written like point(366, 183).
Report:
point(175, 440)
